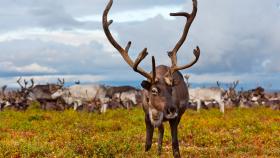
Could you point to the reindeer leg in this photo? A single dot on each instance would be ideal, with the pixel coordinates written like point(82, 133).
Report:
point(160, 138)
point(149, 133)
point(198, 105)
point(222, 107)
point(174, 133)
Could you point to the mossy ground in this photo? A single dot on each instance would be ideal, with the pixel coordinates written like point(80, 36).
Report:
point(121, 133)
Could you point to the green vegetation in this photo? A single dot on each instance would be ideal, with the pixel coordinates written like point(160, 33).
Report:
point(121, 133)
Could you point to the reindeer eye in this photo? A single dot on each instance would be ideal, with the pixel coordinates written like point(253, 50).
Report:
point(154, 91)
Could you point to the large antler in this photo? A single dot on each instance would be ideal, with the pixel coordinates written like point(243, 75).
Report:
point(61, 82)
point(96, 94)
point(234, 84)
point(3, 90)
point(18, 81)
point(24, 88)
point(124, 51)
point(218, 84)
point(32, 84)
point(196, 52)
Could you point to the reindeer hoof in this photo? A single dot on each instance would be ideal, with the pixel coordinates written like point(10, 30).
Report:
point(147, 147)
point(159, 152)
point(176, 154)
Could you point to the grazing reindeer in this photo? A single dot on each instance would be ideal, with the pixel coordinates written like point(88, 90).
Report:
point(24, 89)
point(43, 94)
point(230, 97)
point(125, 94)
point(200, 95)
point(165, 92)
point(20, 99)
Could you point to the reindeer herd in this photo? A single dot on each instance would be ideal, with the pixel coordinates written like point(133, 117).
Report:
point(55, 96)
point(98, 98)
point(219, 97)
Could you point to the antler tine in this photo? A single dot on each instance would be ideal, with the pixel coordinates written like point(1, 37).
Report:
point(25, 83)
point(173, 54)
point(3, 90)
point(218, 84)
point(18, 81)
point(235, 83)
point(32, 83)
point(196, 53)
point(97, 92)
point(154, 68)
point(122, 51)
point(61, 82)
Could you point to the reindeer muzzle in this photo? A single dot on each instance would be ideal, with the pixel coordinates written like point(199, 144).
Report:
point(171, 113)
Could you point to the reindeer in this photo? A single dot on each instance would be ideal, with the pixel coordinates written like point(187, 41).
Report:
point(126, 95)
point(273, 100)
point(165, 94)
point(200, 96)
point(230, 96)
point(21, 100)
point(92, 105)
point(254, 97)
point(87, 92)
point(43, 94)
point(65, 95)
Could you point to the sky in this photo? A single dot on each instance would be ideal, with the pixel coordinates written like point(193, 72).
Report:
point(47, 39)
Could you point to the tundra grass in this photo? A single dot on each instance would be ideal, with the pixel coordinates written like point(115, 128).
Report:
point(121, 133)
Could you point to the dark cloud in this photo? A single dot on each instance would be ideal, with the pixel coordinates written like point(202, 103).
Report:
point(18, 14)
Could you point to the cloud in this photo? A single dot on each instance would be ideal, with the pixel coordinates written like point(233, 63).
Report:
point(75, 37)
point(91, 58)
point(32, 68)
point(138, 15)
point(221, 77)
point(234, 41)
point(53, 14)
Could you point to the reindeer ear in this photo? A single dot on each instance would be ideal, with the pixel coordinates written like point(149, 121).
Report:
point(146, 85)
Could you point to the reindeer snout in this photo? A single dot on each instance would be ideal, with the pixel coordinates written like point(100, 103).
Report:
point(171, 113)
point(171, 110)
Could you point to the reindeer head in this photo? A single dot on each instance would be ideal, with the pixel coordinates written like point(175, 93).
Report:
point(162, 79)
point(24, 91)
point(230, 95)
point(53, 88)
point(57, 90)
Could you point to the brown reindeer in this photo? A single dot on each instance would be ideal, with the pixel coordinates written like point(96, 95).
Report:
point(165, 94)
point(43, 93)
point(21, 101)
